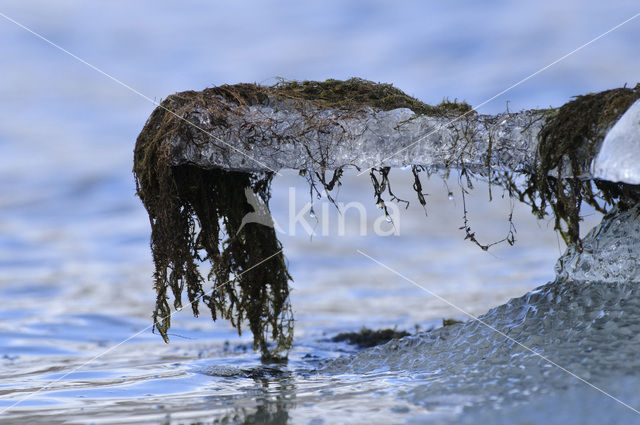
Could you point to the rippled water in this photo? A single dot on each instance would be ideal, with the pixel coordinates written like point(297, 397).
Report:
point(66, 302)
point(75, 267)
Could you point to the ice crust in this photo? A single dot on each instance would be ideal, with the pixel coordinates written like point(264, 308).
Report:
point(279, 135)
point(587, 321)
point(619, 157)
point(269, 135)
point(610, 251)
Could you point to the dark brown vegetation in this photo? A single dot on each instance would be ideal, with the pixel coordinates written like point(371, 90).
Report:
point(366, 338)
point(195, 213)
point(570, 138)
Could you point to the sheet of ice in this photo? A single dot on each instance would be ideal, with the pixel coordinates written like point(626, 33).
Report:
point(619, 156)
point(587, 321)
point(610, 251)
point(278, 135)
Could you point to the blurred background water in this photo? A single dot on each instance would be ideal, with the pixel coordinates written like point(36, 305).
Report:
point(75, 266)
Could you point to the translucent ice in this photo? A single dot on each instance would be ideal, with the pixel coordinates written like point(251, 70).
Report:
point(619, 156)
point(277, 135)
point(610, 251)
point(587, 321)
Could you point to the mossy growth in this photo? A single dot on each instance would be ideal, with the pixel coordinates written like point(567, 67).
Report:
point(355, 93)
point(366, 337)
point(195, 214)
point(351, 94)
point(196, 219)
point(568, 141)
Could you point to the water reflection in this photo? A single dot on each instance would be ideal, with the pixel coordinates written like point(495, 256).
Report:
point(274, 394)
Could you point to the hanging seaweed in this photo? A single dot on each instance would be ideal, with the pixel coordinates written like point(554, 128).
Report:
point(417, 185)
point(202, 246)
point(381, 184)
point(196, 213)
point(570, 138)
point(195, 217)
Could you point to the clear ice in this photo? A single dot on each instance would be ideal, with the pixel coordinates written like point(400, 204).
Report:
point(587, 321)
point(371, 138)
point(619, 157)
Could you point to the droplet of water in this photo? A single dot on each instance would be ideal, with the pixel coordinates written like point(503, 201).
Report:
point(388, 219)
point(312, 213)
point(450, 196)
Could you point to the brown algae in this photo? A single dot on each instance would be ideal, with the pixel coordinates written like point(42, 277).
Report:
point(196, 213)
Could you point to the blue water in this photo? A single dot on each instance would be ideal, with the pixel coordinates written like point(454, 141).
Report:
point(75, 265)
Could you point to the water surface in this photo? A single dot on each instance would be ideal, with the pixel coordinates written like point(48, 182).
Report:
point(75, 266)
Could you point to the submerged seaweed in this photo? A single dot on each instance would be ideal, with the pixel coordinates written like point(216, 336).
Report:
point(367, 338)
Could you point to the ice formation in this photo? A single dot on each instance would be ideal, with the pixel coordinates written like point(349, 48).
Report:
point(278, 133)
point(371, 138)
point(619, 156)
point(587, 321)
point(609, 251)
point(199, 150)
